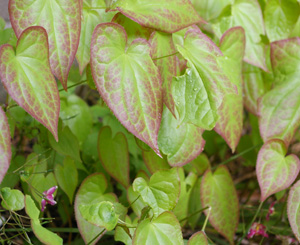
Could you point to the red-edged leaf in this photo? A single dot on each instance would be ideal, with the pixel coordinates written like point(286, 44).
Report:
point(167, 16)
point(128, 81)
point(293, 209)
point(5, 145)
point(198, 238)
point(274, 171)
point(27, 77)
point(61, 19)
point(218, 192)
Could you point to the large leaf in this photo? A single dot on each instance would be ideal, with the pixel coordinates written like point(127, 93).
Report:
point(165, 229)
point(12, 199)
point(218, 192)
point(128, 81)
point(5, 145)
point(92, 15)
point(280, 16)
point(27, 77)
point(293, 209)
point(167, 16)
point(91, 191)
point(162, 191)
point(230, 124)
point(114, 155)
point(198, 238)
point(180, 142)
point(61, 19)
point(274, 171)
point(162, 45)
point(200, 91)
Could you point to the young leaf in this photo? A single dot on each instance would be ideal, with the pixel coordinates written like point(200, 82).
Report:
point(198, 238)
point(67, 177)
point(27, 77)
point(165, 229)
point(181, 143)
point(293, 210)
point(154, 162)
point(12, 199)
point(114, 155)
point(218, 192)
point(61, 19)
point(5, 145)
point(274, 171)
point(162, 191)
point(91, 191)
point(167, 16)
point(128, 81)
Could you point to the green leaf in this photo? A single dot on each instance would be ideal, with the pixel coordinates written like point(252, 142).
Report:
point(128, 81)
point(8, 36)
point(195, 204)
point(114, 155)
point(5, 144)
point(61, 19)
point(12, 199)
point(162, 45)
point(100, 214)
point(124, 234)
point(136, 201)
point(27, 77)
point(164, 16)
point(91, 191)
point(165, 229)
point(293, 209)
point(45, 236)
point(2, 23)
point(199, 165)
point(89, 20)
point(198, 238)
point(280, 17)
point(162, 191)
point(218, 192)
point(154, 162)
point(274, 171)
point(180, 142)
point(200, 91)
point(67, 177)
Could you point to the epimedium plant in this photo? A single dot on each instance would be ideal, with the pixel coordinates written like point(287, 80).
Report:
point(180, 83)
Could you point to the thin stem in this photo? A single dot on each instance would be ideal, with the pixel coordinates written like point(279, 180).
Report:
point(134, 201)
point(54, 229)
point(158, 58)
point(206, 219)
point(192, 214)
point(90, 242)
point(74, 85)
point(122, 223)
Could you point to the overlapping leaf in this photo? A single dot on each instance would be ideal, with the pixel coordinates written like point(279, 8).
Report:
point(27, 77)
point(128, 81)
point(198, 238)
point(154, 162)
point(180, 142)
point(167, 16)
point(218, 192)
point(274, 171)
point(293, 209)
point(61, 19)
point(5, 145)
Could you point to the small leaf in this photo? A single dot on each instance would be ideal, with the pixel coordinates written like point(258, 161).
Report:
point(100, 214)
point(164, 16)
point(274, 171)
point(114, 155)
point(154, 162)
point(180, 142)
point(199, 165)
point(124, 234)
point(198, 238)
point(128, 81)
point(165, 229)
point(67, 177)
point(27, 77)
point(218, 192)
point(5, 145)
point(195, 204)
point(162, 191)
point(61, 19)
point(293, 205)
point(12, 199)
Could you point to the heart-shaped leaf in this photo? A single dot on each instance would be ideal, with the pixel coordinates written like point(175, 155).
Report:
point(165, 229)
point(293, 209)
point(5, 145)
point(27, 77)
point(128, 81)
point(164, 16)
point(274, 171)
point(162, 191)
point(218, 192)
point(61, 19)
point(180, 142)
point(154, 162)
point(114, 155)
point(12, 199)
point(198, 238)
point(91, 191)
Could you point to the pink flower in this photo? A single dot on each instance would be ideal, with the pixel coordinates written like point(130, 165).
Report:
point(257, 229)
point(271, 210)
point(48, 197)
